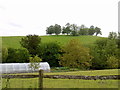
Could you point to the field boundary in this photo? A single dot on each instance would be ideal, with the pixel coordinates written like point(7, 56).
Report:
point(104, 77)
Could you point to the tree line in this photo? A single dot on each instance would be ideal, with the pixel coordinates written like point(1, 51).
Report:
point(73, 29)
point(105, 54)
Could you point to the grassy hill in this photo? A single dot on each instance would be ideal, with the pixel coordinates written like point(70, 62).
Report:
point(13, 41)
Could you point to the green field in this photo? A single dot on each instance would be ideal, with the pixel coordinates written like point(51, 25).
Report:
point(88, 73)
point(13, 41)
point(61, 83)
point(67, 83)
point(85, 73)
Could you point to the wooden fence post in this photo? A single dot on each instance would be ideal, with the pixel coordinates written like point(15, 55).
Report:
point(41, 79)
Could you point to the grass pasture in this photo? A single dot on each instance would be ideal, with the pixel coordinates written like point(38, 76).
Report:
point(61, 83)
point(13, 41)
point(67, 83)
point(84, 73)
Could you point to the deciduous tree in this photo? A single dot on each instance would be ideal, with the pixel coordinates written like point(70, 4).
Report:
point(31, 43)
point(75, 55)
point(98, 31)
point(50, 30)
point(50, 52)
point(57, 29)
point(91, 30)
point(34, 62)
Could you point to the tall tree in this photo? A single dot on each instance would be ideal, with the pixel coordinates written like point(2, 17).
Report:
point(76, 56)
point(98, 31)
point(98, 52)
point(57, 29)
point(50, 30)
point(104, 51)
point(83, 30)
point(31, 43)
point(74, 29)
point(91, 30)
point(66, 29)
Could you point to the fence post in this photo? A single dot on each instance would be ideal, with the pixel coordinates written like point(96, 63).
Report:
point(41, 79)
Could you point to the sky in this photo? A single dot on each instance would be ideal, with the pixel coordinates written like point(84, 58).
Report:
point(23, 17)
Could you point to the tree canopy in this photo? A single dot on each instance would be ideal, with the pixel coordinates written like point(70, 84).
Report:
point(73, 29)
point(31, 43)
point(75, 55)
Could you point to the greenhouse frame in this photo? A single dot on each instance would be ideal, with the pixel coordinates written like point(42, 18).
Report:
point(22, 67)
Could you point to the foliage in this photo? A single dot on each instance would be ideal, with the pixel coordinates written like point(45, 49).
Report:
point(74, 30)
point(66, 29)
point(50, 52)
point(99, 60)
point(34, 62)
point(111, 48)
point(74, 33)
point(98, 31)
point(50, 30)
point(83, 30)
point(112, 35)
point(75, 55)
point(112, 62)
point(4, 54)
point(57, 29)
point(104, 50)
point(118, 40)
point(91, 30)
point(54, 29)
point(31, 43)
point(17, 56)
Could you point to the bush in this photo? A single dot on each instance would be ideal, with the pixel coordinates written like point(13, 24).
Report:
point(17, 56)
point(103, 51)
point(112, 62)
point(50, 52)
point(34, 62)
point(4, 54)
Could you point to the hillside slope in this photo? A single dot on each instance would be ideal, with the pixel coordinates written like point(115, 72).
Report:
point(13, 41)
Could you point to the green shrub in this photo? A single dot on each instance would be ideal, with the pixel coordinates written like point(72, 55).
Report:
point(4, 54)
point(103, 53)
point(34, 62)
point(17, 56)
point(50, 52)
point(112, 62)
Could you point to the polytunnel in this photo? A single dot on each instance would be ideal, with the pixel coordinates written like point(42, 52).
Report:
point(22, 67)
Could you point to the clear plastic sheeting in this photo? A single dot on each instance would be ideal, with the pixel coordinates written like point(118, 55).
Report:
point(22, 67)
